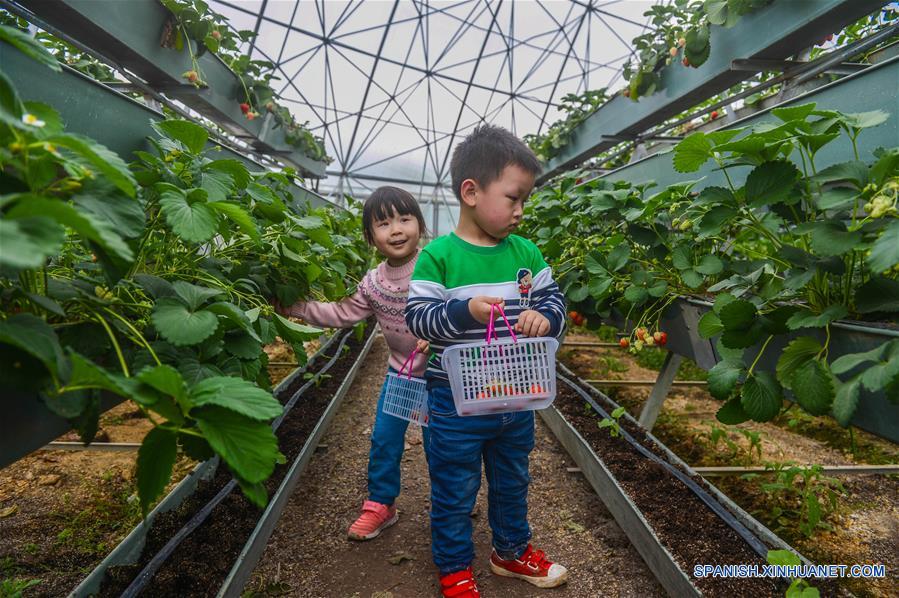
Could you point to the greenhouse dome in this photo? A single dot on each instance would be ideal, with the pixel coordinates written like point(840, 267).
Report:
point(402, 298)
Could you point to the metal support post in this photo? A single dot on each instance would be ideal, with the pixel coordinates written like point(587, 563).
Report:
point(660, 391)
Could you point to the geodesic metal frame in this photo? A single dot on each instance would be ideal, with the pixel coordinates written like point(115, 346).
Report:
point(428, 72)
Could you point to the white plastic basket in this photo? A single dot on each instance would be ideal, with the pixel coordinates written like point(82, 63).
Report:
point(405, 396)
point(513, 374)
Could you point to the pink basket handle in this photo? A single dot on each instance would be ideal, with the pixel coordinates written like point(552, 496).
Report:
point(409, 362)
point(491, 326)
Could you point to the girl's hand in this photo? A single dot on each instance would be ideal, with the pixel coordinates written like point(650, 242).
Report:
point(479, 307)
point(284, 311)
point(423, 346)
point(532, 323)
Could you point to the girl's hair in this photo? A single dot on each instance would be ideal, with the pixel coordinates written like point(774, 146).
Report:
point(382, 203)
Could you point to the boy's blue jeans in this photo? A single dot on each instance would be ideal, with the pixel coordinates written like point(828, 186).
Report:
point(456, 447)
point(388, 437)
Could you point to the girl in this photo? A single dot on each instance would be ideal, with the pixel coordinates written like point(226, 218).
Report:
point(393, 223)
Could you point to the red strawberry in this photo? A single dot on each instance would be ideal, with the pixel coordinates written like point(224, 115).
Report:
point(624, 343)
point(685, 62)
point(714, 114)
point(663, 338)
point(216, 35)
point(244, 107)
point(252, 115)
point(191, 76)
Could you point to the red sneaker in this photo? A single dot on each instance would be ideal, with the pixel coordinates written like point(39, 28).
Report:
point(374, 519)
point(459, 584)
point(531, 567)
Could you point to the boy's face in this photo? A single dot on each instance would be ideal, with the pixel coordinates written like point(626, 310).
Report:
point(498, 207)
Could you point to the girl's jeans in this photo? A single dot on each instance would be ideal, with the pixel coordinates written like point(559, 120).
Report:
point(388, 437)
point(456, 447)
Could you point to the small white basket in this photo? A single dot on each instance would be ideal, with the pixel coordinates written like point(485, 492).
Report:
point(513, 374)
point(406, 397)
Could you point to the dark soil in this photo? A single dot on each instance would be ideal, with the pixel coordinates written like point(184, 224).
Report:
point(201, 562)
point(690, 531)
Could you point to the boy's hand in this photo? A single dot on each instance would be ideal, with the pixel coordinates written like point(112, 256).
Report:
point(532, 323)
point(479, 307)
point(423, 346)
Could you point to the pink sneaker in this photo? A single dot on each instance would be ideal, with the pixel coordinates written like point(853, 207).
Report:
point(374, 519)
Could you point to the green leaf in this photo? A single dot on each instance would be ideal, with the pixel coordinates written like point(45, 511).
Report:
point(789, 113)
point(124, 215)
point(849, 362)
point(249, 447)
point(292, 332)
point(732, 413)
point(831, 238)
point(717, 196)
point(618, 257)
point(165, 379)
point(598, 287)
point(237, 316)
point(84, 223)
point(237, 214)
point(710, 325)
point(716, 11)
point(885, 251)
point(839, 198)
point(219, 185)
point(878, 294)
point(255, 493)
point(866, 120)
point(808, 319)
point(192, 135)
point(697, 48)
point(29, 46)
point(155, 460)
point(723, 379)
point(692, 152)
point(737, 315)
point(238, 395)
point(682, 257)
point(100, 157)
point(593, 266)
point(710, 265)
point(845, 401)
point(785, 558)
point(233, 168)
point(28, 242)
point(192, 222)
point(181, 326)
point(879, 375)
point(691, 278)
point(812, 386)
point(242, 345)
point(713, 221)
point(761, 397)
point(770, 183)
point(636, 295)
point(855, 171)
point(799, 352)
point(658, 288)
point(35, 337)
point(194, 296)
point(578, 293)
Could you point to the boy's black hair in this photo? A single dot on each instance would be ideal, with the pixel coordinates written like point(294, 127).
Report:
point(485, 152)
point(383, 202)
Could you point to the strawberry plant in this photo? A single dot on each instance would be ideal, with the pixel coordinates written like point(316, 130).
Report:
point(792, 249)
point(210, 31)
point(681, 29)
point(152, 281)
point(577, 108)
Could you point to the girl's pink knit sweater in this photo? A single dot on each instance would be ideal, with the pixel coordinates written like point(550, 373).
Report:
point(382, 292)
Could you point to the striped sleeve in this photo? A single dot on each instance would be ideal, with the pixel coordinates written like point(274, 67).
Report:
point(546, 297)
point(429, 315)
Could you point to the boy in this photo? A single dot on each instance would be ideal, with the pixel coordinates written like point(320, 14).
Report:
point(456, 280)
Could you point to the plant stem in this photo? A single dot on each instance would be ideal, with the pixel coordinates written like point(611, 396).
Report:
point(757, 357)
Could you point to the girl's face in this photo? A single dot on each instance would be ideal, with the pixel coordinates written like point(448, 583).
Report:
point(396, 237)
